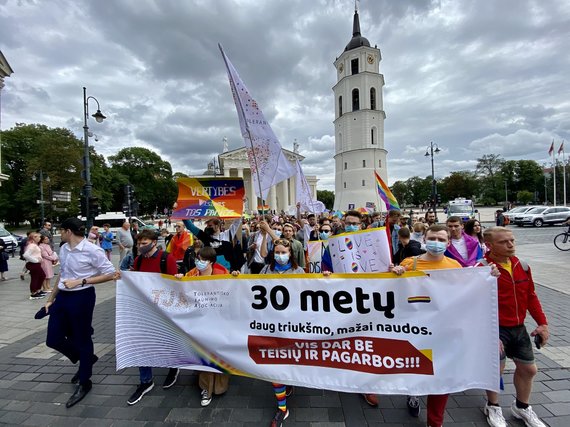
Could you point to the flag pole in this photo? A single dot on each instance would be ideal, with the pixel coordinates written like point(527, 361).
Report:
point(232, 83)
point(554, 172)
point(563, 170)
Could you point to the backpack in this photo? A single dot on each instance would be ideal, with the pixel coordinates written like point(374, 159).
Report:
point(163, 257)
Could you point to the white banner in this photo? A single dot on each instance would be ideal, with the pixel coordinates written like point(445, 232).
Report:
point(366, 251)
point(303, 193)
point(266, 159)
point(373, 333)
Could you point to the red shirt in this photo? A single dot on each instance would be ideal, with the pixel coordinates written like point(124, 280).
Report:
point(152, 263)
point(517, 295)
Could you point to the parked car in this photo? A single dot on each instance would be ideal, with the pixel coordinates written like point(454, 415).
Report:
point(10, 241)
point(543, 215)
point(519, 210)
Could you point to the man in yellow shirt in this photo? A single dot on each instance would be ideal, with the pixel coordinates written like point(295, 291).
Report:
point(437, 241)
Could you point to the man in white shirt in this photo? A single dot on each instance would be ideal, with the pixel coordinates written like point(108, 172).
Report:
point(71, 303)
point(463, 248)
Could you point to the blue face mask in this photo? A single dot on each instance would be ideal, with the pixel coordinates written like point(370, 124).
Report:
point(277, 233)
point(351, 228)
point(202, 265)
point(324, 235)
point(281, 258)
point(435, 248)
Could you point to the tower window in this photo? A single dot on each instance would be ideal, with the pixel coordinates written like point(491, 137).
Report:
point(345, 184)
point(355, 100)
point(364, 183)
point(354, 66)
point(340, 106)
point(372, 136)
point(379, 163)
point(345, 165)
point(364, 163)
point(372, 98)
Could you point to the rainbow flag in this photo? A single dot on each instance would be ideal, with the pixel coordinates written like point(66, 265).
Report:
point(385, 194)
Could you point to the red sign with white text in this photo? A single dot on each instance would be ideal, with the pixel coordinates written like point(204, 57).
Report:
point(364, 354)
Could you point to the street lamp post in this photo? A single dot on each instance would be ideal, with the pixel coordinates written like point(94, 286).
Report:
point(429, 153)
point(42, 209)
point(99, 117)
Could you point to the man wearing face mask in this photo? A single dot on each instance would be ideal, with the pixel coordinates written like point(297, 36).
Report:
point(152, 260)
point(437, 241)
point(221, 241)
point(352, 221)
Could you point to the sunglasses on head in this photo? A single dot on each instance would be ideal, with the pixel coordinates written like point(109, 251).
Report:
point(281, 242)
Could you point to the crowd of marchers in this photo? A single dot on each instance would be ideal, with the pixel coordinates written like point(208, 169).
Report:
point(277, 244)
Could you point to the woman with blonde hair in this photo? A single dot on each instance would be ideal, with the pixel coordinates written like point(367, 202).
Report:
point(49, 258)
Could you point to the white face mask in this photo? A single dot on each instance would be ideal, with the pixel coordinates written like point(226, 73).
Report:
point(281, 258)
point(435, 248)
point(202, 265)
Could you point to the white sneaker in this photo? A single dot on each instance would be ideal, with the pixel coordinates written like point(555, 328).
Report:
point(206, 398)
point(527, 415)
point(494, 416)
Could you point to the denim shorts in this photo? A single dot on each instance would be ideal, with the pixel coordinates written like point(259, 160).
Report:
point(517, 344)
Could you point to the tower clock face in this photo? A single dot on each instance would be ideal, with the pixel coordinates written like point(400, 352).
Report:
point(340, 67)
point(370, 59)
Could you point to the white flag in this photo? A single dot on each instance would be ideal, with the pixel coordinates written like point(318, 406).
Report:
point(304, 193)
point(268, 164)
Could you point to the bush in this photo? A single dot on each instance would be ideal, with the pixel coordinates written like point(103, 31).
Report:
point(487, 201)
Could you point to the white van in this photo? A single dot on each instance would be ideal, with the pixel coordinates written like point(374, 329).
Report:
point(116, 220)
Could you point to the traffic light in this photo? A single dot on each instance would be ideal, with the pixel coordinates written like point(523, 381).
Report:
point(439, 199)
point(94, 208)
point(82, 205)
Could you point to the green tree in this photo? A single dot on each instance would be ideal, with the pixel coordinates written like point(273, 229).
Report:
point(149, 174)
point(327, 197)
point(401, 193)
point(458, 184)
point(27, 150)
point(488, 170)
point(419, 189)
point(524, 197)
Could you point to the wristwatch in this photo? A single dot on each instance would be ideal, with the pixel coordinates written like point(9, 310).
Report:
point(83, 282)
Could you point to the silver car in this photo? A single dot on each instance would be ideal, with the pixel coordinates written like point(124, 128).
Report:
point(543, 215)
point(10, 242)
point(519, 211)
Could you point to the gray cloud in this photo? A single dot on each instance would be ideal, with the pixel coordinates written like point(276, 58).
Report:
point(476, 77)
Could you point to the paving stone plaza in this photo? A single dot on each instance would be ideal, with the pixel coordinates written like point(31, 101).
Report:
point(35, 381)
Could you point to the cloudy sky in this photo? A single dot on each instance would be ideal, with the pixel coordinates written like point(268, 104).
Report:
point(474, 76)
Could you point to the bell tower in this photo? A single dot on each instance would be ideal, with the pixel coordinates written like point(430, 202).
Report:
point(359, 123)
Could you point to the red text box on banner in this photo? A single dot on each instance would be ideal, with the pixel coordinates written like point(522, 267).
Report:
point(364, 354)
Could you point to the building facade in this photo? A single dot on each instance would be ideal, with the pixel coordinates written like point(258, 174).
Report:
point(359, 124)
point(281, 197)
point(5, 71)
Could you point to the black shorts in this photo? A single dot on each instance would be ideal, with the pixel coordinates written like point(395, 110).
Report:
point(517, 344)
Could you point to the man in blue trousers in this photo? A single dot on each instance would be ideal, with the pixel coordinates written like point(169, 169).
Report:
point(71, 304)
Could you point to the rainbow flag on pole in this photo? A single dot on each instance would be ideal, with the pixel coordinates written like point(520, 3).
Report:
point(385, 194)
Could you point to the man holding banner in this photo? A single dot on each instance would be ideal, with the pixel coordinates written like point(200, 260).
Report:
point(437, 241)
point(514, 302)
